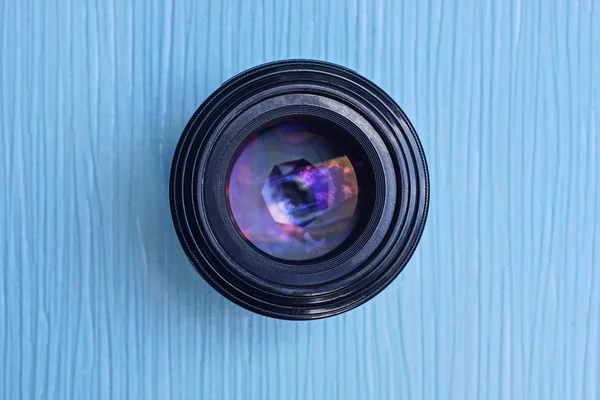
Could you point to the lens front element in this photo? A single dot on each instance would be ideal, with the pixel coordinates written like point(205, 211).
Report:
point(294, 191)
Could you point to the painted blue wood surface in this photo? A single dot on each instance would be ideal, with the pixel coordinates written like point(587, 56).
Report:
point(502, 299)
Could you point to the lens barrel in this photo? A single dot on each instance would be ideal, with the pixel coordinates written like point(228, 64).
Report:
point(299, 189)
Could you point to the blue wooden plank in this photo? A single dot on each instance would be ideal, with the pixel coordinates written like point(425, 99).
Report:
point(502, 299)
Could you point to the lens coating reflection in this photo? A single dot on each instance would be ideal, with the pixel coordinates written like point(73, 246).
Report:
point(294, 190)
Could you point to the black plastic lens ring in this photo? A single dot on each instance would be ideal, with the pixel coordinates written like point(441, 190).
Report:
point(299, 189)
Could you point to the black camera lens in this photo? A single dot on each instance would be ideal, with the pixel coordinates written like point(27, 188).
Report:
point(299, 189)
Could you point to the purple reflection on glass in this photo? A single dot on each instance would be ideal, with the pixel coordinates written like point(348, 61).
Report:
point(292, 193)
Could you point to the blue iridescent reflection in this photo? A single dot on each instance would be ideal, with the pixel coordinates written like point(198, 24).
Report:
point(293, 192)
point(297, 192)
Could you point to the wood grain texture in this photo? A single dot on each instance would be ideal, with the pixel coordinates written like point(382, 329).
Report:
point(501, 301)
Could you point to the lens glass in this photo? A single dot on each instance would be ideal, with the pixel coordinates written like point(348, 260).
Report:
point(298, 189)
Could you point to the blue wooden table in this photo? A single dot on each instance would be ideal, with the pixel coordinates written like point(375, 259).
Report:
point(501, 300)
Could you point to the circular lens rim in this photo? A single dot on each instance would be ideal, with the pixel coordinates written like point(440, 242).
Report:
point(329, 82)
point(283, 277)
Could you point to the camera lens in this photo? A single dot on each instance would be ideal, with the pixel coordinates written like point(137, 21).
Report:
point(299, 189)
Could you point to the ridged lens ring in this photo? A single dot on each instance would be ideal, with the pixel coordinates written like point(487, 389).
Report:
point(299, 189)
